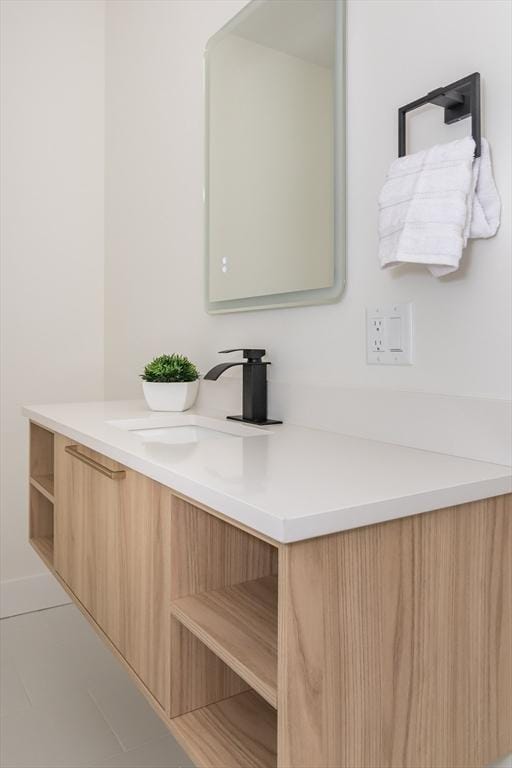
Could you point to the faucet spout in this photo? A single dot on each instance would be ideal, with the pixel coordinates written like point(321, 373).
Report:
point(254, 385)
point(218, 370)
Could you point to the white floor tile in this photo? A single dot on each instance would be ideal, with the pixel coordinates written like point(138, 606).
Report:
point(67, 626)
point(65, 658)
point(18, 634)
point(506, 762)
point(25, 742)
point(70, 733)
point(68, 703)
point(164, 753)
point(13, 697)
point(51, 673)
point(126, 711)
point(47, 668)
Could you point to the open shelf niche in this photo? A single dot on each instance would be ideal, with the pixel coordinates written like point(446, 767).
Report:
point(239, 624)
point(41, 492)
point(41, 460)
point(223, 640)
point(237, 731)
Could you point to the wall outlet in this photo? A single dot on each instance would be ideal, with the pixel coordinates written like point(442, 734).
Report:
point(377, 334)
point(389, 335)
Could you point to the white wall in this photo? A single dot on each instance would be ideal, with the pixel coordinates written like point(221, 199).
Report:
point(52, 92)
point(397, 51)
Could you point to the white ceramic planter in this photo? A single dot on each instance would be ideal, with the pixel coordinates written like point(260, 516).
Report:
point(172, 396)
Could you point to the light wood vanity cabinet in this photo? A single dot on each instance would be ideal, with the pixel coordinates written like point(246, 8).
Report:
point(388, 646)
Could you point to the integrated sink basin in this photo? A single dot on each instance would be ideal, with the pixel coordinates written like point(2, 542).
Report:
point(178, 429)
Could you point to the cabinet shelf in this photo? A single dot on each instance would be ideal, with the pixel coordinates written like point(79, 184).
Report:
point(44, 484)
point(239, 624)
point(241, 730)
point(41, 492)
point(43, 545)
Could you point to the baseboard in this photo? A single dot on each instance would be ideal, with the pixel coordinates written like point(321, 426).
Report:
point(31, 593)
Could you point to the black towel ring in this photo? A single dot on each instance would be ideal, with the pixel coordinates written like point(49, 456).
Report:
point(460, 99)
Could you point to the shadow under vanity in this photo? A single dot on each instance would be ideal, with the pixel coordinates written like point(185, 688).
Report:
point(384, 646)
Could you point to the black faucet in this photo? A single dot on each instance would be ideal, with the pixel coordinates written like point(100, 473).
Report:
point(254, 399)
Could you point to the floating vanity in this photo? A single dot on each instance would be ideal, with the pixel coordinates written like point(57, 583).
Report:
point(285, 596)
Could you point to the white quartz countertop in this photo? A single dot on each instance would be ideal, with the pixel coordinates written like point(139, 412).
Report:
point(290, 482)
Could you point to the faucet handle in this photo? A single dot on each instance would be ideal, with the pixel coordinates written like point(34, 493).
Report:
point(252, 355)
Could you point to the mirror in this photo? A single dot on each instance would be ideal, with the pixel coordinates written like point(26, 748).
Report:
point(275, 156)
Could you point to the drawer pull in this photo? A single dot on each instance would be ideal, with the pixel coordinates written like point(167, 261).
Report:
point(113, 474)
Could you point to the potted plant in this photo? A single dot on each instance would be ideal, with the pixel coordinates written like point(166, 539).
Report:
point(170, 383)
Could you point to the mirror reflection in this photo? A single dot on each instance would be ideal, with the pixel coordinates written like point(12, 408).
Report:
point(273, 110)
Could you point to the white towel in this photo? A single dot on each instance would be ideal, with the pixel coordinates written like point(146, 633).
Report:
point(433, 201)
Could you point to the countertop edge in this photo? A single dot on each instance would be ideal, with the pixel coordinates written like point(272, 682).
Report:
point(267, 524)
point(284, 531)
point(378, 512)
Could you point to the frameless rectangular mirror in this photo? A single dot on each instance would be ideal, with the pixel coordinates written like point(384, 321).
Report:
point(275, 156)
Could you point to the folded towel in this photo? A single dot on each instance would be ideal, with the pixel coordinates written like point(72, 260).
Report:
point(433, 201)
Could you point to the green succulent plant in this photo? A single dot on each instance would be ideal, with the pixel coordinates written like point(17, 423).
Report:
point(170, 368)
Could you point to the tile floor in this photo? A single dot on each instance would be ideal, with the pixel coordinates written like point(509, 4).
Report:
point(65, 702)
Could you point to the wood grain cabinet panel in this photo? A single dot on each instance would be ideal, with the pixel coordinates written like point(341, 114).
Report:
point(112, 548)
point(395, 643)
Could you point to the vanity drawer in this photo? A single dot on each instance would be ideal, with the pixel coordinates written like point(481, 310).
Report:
point(88, 501)
point(112, 548)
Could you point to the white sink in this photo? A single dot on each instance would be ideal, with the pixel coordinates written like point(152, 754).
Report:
point(178, 429)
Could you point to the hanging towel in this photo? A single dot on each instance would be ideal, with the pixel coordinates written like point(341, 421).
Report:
point(433, 201)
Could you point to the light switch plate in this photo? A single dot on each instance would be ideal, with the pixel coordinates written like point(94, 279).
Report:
point(389, 334)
